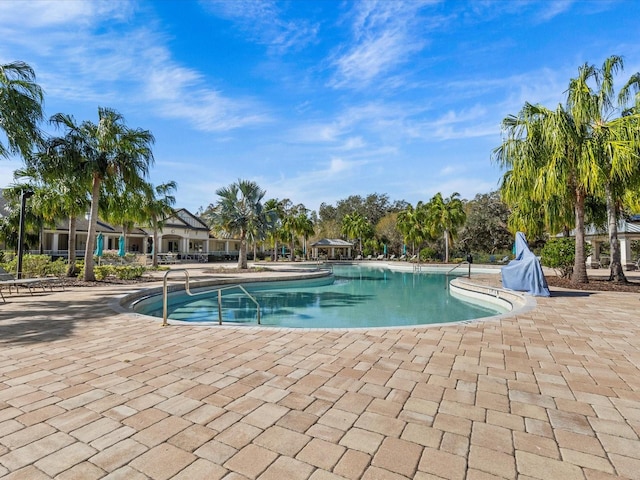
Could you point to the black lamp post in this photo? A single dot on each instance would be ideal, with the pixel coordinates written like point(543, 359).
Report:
point(23, 203)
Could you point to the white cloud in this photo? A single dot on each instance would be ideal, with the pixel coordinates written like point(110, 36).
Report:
point(382, 41)
point(261, 21)
point(123, 65)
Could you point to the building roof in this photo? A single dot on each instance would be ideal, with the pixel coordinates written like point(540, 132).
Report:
point(332, 242)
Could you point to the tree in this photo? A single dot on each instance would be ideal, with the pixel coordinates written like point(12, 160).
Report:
point(387, 231)
point(239, 212)
point(485, 229)
point(356, 226)
point(156, 210)
point(275, 209)
point(611, 143)
point(20, 108)
point(107, 151)
point(444, 217)
point(543, 152)
point(412, 225)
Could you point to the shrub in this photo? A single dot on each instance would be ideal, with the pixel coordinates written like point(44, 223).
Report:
point(427, 253)
point(129, 272)
point(559, 254)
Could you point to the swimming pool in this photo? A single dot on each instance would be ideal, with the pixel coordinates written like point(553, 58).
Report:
point(355, 296)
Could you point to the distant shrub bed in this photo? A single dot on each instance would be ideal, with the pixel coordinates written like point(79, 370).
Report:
point(36, 266)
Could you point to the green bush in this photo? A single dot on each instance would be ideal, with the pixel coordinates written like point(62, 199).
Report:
point(559, 254)
point(129, 272)
point(427, 254)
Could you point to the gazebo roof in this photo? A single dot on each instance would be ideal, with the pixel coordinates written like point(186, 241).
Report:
point(332, 242)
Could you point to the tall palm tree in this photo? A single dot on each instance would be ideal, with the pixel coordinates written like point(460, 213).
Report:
point(444, 217)
point(611, 141)
point(275, 209)
point(357, 227)
point(57, 163)
point(107, 150)
point(305, 228)
point(158, 207)
point(239, 212)
point(543, 153)
point(20, 108)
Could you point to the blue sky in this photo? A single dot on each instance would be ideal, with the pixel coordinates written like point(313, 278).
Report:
point(315, 100)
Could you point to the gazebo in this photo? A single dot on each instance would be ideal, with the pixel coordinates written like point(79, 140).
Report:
point(333, 248)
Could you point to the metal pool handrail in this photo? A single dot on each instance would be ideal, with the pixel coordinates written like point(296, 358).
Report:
point(188, 291)
point(462, 263)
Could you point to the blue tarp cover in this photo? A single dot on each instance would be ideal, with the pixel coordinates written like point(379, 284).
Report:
point(524, 273)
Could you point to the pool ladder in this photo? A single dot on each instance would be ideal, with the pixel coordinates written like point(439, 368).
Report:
point(188, 291)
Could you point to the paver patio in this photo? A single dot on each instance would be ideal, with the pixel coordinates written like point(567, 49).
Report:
point(87, 393)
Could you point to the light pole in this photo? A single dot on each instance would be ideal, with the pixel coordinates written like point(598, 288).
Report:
point(23, 203)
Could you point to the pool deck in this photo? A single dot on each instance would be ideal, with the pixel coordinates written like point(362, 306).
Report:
point(88, 393)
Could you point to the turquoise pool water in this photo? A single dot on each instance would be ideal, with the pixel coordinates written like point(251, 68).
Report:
point(356, 296)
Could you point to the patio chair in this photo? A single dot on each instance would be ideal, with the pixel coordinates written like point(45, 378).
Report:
point(8, 281)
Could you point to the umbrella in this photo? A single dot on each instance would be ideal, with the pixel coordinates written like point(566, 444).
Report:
point(99, 246)
point(385, 250)
point(121, 246)
point(404, 249)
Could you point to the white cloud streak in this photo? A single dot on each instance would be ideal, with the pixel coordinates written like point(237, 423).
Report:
point(382, 41)
point(86, 61)
point(261, 21)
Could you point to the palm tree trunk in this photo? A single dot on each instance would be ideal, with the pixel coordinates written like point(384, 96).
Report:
point(579, 266)
point(242, 255)
point(446, 246)
point(275, 250)
point(89, 276)
point(71, 248)
point(616, 274)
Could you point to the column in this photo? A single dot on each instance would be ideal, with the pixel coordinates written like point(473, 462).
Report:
point(625, 251)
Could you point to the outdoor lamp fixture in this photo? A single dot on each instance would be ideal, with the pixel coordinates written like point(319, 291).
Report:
point(23, 203)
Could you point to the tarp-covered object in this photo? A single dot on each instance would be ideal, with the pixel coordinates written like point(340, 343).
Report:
point(524, 273)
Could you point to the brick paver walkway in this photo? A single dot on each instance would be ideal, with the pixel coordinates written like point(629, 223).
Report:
point(86, 393)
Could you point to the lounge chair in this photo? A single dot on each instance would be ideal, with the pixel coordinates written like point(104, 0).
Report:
point(380, 257)
point(392, 257)
point(358, 257)
point(369, 257)
point(8, 281)
point(505, 259)
point(402, 258)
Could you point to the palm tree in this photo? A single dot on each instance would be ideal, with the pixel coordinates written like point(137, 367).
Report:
point(357, 227)
point(239, 212)
point(275, 209)
point(444, 217)
point(107, 151)
point(611, 143)
point(20, 108)
point(57, 164)
point(305, 228)
point(156, 209)
point(411, 223)
point(543, 152)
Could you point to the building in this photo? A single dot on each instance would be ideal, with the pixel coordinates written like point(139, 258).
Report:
point(182, 234)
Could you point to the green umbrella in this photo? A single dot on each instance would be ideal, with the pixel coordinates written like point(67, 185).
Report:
point(121, 251)
point(99, 245)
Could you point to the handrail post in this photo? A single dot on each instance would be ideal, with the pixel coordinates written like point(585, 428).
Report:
point(165, 296)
